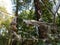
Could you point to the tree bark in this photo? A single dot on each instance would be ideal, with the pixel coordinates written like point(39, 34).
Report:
point(14, 42)
point(41, 29)
point(37, 9)
point(16, 13)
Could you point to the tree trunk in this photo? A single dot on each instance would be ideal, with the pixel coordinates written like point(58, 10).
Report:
point(41, 29)
point(14, 42)
point(16, 12)
point(37, 9)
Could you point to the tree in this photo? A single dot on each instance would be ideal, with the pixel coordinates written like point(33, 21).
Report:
point(5, 18)
point(41, 9)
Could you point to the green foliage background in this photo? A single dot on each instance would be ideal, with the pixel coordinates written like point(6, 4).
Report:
point(29, 14)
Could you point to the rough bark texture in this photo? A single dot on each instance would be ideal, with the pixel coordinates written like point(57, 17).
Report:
point(14, 42)
point(37, 9)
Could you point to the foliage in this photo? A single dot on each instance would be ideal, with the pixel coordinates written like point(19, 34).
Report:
point(46, 14)
point(25, 30)
point(22, 26)
point(58, 20)
point(5, 18)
